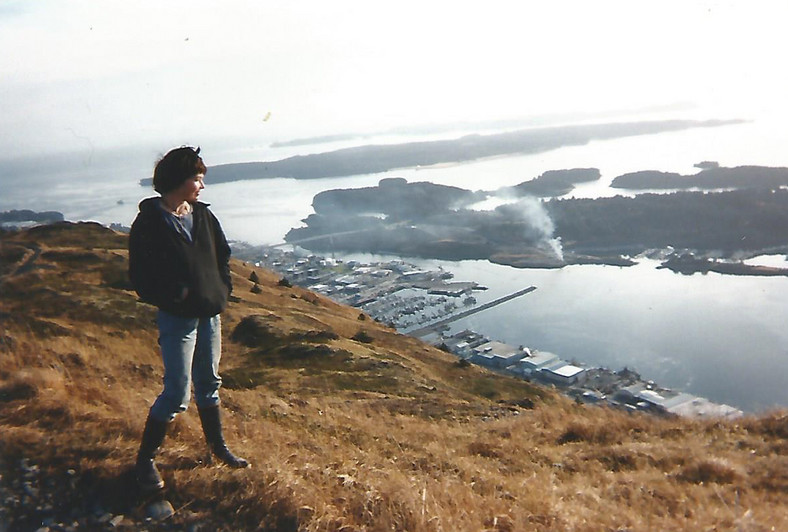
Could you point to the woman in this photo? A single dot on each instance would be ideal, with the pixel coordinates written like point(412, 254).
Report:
point(179, 262)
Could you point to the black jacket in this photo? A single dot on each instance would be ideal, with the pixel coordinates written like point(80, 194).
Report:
point(162, 263)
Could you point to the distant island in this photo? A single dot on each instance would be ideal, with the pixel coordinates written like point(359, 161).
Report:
point(371, 159)
point(688, 263)
point(709, 178)
point(436, 221)
point(26, 218)
point(555, 182)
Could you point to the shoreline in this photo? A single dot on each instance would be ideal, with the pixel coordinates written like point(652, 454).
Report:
point(689, 264)
point(360, 285)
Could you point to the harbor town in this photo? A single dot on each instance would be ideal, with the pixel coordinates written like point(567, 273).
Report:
point(423, 303)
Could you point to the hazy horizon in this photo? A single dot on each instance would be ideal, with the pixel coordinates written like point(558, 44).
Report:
point(135, 79)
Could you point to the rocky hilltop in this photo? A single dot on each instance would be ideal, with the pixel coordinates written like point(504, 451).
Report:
point(350, 425)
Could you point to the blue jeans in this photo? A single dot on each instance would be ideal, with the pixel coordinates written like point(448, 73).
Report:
point(191, 349)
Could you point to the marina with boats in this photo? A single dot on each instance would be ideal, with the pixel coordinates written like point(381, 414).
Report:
point(424, 303)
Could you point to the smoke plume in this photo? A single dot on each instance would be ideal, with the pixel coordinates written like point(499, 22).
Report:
point(539, 227)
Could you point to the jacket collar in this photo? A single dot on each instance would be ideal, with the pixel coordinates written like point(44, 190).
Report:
point(149, 205)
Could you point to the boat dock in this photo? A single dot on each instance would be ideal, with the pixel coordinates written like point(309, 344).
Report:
point(423, 331)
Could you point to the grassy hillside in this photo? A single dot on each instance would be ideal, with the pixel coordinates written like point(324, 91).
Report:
point(350, 425)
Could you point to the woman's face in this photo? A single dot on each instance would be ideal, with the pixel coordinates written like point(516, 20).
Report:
point(189, 189)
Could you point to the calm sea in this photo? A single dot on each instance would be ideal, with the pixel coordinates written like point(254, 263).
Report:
point(720, 337)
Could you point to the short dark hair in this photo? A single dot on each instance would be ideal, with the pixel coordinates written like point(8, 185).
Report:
point(175, 167)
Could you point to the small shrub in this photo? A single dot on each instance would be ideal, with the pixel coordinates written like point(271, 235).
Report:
point(284, 282)
point(256, 331)
point(483, 449)
point(33, 382)
point(578, 432)
point(771, 475)
point(774, 425)
point(246, 378)
point(18, 389)
point(614, 431)
point(709, 470)
point(74, 360)
point(363, 337)
point(300, 351)
point(526, 403)
point(617, 460)
point(75, 258)
point(313, 336)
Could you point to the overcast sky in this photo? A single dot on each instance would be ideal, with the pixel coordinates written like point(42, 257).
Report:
point(103, 74)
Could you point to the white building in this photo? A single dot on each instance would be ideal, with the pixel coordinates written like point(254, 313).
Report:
point(644, 397)
point(497, 354)
point(700, 407)
point(538, 360)
point(563, 375)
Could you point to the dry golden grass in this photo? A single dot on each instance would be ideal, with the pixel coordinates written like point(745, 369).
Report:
point(381, 434)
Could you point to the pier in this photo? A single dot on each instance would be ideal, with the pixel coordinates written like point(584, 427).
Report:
point(423, 331)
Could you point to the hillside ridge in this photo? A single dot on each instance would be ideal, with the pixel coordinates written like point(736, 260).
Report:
point(350, 425)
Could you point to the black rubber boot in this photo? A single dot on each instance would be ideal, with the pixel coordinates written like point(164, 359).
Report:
point(212, 428)
point(148, 476)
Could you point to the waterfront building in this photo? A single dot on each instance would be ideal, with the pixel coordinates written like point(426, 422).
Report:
point(538, 360)
point(646, 397)
point(564, 375)
point(463, 342)
point(497, 355)
point(700, 407)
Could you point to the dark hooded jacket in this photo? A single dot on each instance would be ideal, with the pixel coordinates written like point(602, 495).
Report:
point(162, 263)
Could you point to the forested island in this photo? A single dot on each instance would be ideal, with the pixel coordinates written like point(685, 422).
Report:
point(555, 182)
point(371, 159)
point(710, 177)
point(436, 221)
